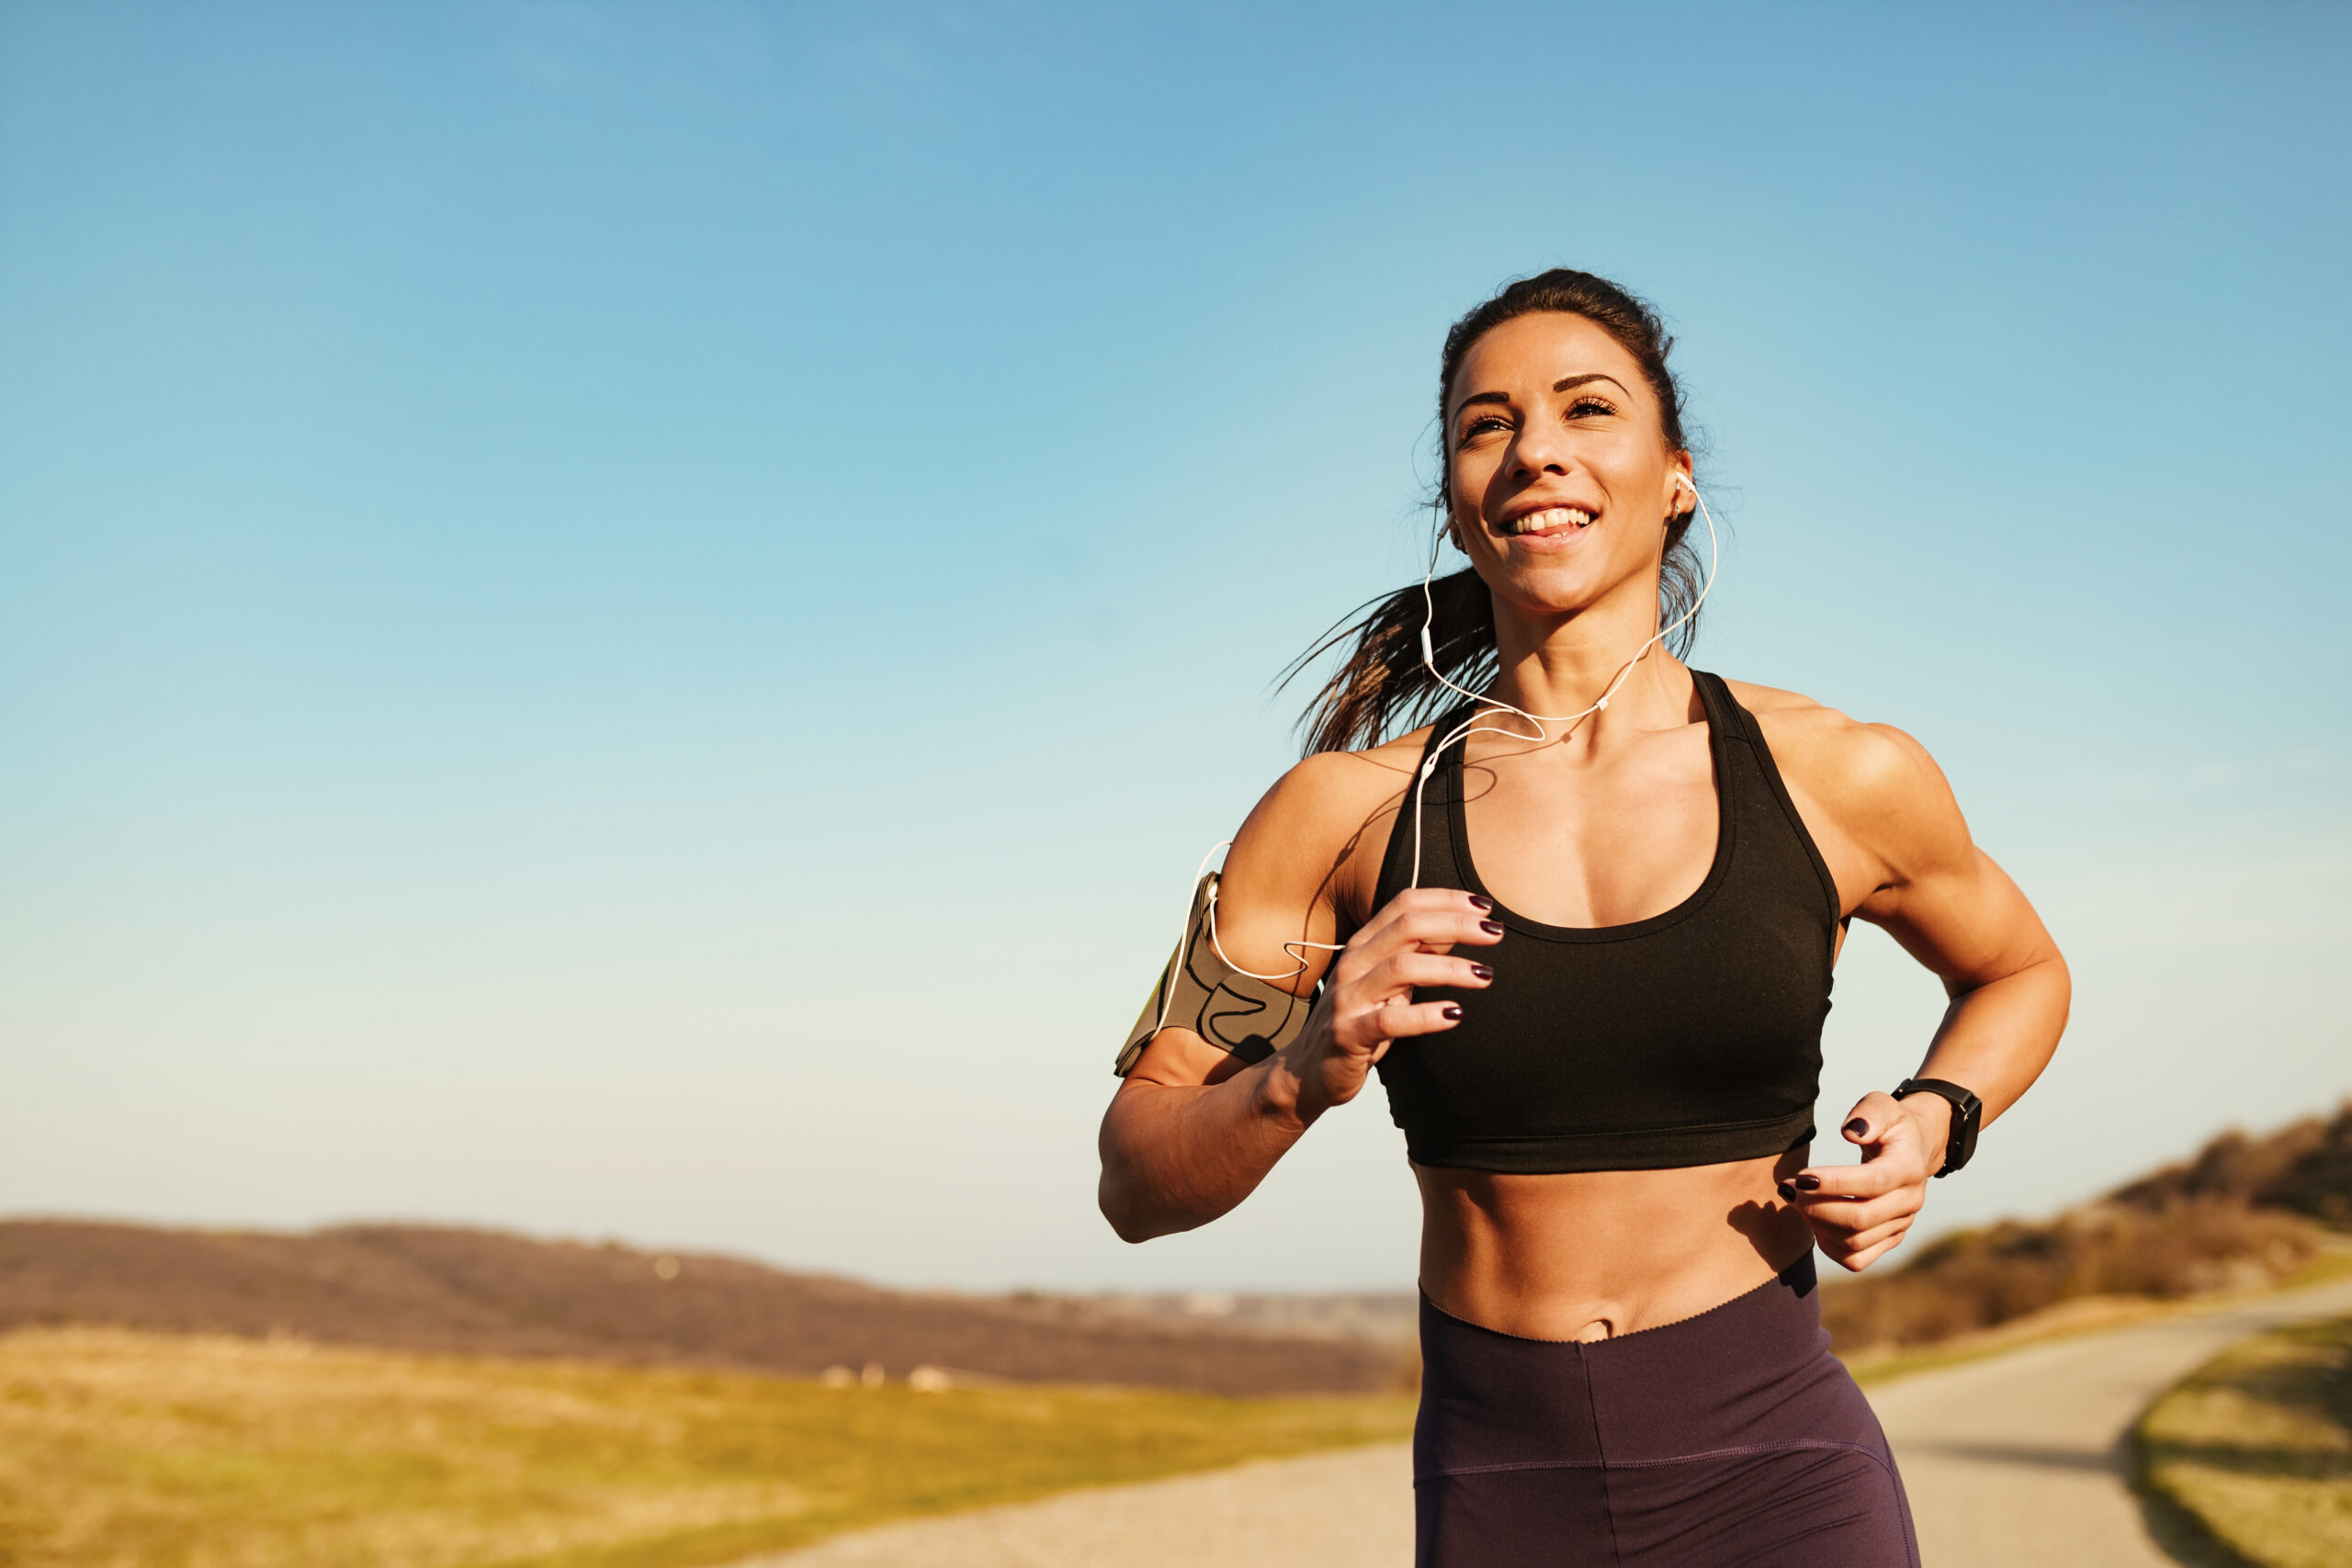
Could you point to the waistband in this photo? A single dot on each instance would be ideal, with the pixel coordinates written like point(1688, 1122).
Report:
point(1753, 1370)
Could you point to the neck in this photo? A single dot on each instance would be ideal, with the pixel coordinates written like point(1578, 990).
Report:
point(1563, 664)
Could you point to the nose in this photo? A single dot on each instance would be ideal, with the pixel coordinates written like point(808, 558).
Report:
point(1541, 447)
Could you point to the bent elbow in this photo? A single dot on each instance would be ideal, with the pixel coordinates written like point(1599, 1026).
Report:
point(1133, 1217)
point(1119, 1208)
point(2058, 981)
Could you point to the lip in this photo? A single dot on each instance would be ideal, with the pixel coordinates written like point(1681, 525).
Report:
point(1558, 532)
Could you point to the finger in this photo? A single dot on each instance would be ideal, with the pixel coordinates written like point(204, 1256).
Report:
point(1441, 929)
point(1841, 1243)
point(1872, 1115)
point(1423, 901)
point(1853, 1218)
point(1860, 1260)
point(1434, 899)
point(1875, 1238)
point(1873, 1179)
point(1857, 1228)
point(1372, 1027)
point(1424, 930)
point(1848, 1261)
point(1402, 971)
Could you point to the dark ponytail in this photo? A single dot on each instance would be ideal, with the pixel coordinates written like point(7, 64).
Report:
point(1382, 689)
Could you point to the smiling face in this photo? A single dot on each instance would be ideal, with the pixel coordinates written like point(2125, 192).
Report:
point(1559, 476)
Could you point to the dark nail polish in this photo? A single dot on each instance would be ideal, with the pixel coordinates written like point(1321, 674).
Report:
point(1859, 1127)
point(1481, 971)
point(1788, 1193)
point(1451, 1011)
point(1492, 927)
point(1806, 1183)
point(1478, 903)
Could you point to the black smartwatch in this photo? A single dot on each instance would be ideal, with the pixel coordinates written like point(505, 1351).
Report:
point(1967, 1114)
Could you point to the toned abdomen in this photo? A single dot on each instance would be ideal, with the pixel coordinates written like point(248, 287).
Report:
point(1591, 1254)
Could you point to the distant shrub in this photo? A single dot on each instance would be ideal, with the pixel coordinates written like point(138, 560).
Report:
point(2237, 1215)
point(2305, 1169)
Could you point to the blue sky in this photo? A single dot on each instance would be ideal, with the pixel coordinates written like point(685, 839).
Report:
point(628, 620)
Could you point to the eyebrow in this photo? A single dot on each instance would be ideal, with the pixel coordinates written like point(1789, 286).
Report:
point(1563, 385)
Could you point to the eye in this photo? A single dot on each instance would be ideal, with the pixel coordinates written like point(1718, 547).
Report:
point(1483, 423)
point(1589, 405)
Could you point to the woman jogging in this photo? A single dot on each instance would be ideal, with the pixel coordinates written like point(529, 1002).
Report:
point(1582, 924)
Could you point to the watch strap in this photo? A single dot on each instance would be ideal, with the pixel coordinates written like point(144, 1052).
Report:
point(1967, 1115)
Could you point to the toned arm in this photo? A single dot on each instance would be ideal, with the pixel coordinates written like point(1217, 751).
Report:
point(1192, 1131)
point(1904, 860)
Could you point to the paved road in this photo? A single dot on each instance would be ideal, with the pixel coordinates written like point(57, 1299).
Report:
point(2011, 1462)
point(2016, 1460)
point(1350, 1509)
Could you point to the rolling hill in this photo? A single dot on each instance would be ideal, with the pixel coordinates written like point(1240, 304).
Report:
point(2243, 1211)
point(484, 1292)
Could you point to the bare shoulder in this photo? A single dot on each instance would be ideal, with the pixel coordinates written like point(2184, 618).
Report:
point(1335, 791)
point(1874, 781)
point(1313, 827)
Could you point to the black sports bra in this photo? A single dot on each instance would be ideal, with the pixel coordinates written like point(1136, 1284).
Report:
point(1691, 1038)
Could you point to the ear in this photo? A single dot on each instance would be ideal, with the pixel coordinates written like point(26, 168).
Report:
point(1680, 484)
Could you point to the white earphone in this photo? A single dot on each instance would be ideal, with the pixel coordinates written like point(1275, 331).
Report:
point(1290, 947)
point(1494, 706)
point(1461, 733)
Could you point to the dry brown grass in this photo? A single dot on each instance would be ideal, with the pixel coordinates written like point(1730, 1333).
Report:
point(121, 1449)
point(471, 1292)
point(2257, 1446)
point(1975, 1280)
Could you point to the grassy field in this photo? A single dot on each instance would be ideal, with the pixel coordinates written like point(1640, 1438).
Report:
point(2078, 1314)
point(2258, 1448)
point(138, 1451)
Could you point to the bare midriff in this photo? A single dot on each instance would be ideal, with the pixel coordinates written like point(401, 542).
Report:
point(1591, 1255)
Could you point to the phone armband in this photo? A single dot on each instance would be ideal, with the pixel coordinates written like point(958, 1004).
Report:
point(1200, 992)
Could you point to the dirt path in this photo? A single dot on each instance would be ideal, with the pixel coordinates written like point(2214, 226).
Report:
point(2011, 1462)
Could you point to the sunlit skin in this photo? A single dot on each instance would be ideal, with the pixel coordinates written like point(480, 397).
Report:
point(1608, 822)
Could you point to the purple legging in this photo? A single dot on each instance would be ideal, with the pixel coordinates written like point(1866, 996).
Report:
point(1731, 1437)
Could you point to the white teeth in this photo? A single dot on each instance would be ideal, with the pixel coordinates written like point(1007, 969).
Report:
point(1549, 518)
